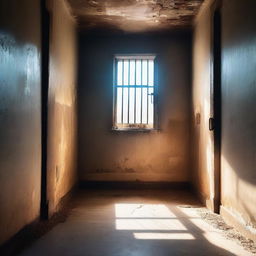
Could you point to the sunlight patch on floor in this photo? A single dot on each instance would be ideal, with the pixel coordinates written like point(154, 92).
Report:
point(164, 236)
point(149, 224)
point(142, 210)
point(150, 217)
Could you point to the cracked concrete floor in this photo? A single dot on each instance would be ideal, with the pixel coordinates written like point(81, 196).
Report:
point(134, 223)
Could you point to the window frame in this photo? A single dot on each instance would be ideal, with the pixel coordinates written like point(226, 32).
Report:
point(135, 127)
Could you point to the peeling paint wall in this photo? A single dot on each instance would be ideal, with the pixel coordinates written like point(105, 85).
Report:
point(106, 155)
point(20, 115)
point(61, 166)
point(134, 15)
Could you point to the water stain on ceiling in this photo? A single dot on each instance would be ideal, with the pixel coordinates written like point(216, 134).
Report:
point(135, 15)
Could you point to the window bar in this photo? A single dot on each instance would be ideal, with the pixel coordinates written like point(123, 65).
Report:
point(122, 91)
point(128, 108)
point(147, 87)
point(116, 89)
point(155, 125)
point(132, 86)
point(141, 94)
point(135, 89)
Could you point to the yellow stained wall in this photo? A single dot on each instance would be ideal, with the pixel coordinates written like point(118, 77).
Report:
point(61, 166)
point(202, 146)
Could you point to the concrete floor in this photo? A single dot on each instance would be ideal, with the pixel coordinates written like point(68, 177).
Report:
point(134, 223)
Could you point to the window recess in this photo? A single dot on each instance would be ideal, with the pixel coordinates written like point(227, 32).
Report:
point(134, 92)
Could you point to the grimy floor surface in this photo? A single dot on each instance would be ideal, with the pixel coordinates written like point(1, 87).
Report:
point(134, 223)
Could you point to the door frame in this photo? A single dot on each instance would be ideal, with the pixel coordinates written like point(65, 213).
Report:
point(45, 52)
point(215, 102)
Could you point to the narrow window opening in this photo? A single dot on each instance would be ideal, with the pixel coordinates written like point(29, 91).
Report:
point(134, 92)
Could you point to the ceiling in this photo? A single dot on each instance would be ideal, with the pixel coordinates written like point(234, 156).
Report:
point(135, 15)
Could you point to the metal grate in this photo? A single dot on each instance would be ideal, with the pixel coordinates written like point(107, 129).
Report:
point(134, 91)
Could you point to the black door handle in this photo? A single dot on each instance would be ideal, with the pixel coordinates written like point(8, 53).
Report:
point(211, 123)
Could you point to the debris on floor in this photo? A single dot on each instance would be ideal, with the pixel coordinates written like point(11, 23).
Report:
point(229, 232)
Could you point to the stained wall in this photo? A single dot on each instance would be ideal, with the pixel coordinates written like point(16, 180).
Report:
point(106, 155)
point(202, 138)
point(62, 104)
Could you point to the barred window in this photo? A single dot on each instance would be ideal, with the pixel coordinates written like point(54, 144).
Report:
point(134, 92)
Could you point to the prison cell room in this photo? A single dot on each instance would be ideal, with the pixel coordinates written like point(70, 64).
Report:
point(127, 127)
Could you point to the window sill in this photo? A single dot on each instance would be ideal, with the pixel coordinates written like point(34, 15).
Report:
point(135, 130)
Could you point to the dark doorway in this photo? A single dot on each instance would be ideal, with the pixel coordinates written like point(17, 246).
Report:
point(45, 23)
point(217, 105)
